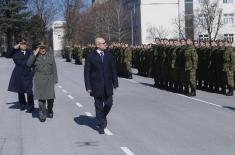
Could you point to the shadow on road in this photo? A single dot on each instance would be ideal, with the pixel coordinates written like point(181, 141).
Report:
point(230, 108)
point(82, 144)
point(14, 105)
point(87, 121)
point(147, 84)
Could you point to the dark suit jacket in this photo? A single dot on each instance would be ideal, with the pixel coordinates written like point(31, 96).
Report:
point(100, 77)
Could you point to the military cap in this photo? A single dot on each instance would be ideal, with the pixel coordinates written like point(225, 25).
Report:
point(41, 45)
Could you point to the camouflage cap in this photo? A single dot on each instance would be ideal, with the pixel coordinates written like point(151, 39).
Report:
point(41, 45)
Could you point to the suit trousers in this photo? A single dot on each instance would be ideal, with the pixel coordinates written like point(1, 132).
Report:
point(103, 106)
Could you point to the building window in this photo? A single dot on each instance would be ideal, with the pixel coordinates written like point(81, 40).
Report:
point(229, 37)
point(227, 1)
point(203, 37)
point(201, 1)
point(228, 18)
point(202, 19)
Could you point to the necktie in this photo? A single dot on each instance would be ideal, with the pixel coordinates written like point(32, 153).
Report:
point(23, 51)
point(102, 56)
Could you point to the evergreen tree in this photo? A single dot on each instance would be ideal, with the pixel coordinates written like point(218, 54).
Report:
point(13, 19)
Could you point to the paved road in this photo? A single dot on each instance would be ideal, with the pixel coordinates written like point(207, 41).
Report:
point(144, 120)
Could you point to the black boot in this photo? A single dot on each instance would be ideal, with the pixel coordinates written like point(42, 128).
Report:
point(186, 91)
point(193, 93)
point(30, 103)
point(230, 92)
point(223, 91)
point(50, 104)
point(22, 101)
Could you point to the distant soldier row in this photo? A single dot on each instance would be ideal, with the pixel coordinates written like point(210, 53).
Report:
point(75, 53)
point(178, 66)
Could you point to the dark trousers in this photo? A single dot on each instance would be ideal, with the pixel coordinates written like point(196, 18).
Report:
point(22, 100)
point(103, 106)
point(42, 107)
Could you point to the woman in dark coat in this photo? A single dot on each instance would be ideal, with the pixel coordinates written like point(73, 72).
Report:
point(21, 80)
point(45, 78)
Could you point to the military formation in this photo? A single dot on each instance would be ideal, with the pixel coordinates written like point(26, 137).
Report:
point(180, 66)
point(75, 53)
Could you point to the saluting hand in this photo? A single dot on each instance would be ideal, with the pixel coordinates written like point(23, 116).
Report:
point(17, 46)
point(36, 51)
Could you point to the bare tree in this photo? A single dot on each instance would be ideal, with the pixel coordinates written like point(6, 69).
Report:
point(209, 18)
point(72, 15)
point(109, 20)
point(179, 24)
point(46, 12)
point(119, 18)
point(154, 32)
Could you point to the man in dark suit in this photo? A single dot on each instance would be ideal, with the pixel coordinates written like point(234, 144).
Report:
point(100, 78)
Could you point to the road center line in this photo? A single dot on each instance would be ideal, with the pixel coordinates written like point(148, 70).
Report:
point(88, 114)
point(79, 104)
point(65, 91)
point(127, 151)
point(71, 97)
point(108, 132)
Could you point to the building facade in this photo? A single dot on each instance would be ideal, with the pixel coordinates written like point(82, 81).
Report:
point(153, 18)
point(174, 19)
point(227, 31)
point(57, 33)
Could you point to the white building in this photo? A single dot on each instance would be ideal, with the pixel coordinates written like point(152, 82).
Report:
point(57, 35)
point(160, 16)
point(227, 31)
point(156, 16)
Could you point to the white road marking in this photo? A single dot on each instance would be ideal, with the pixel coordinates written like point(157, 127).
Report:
point(79, 104)
point(108, 132)
point(59, 86)
point(88, 114)
point(65, 91)
point(209, 103)
point(71, 97)
point(127, 151)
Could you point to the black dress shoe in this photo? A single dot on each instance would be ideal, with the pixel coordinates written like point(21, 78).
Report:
point(22, 107)
point(50, 115)
point(30, 109)
point(42, 119)
point(101, 130)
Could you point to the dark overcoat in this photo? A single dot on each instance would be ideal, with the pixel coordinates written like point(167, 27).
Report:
point(21, 80)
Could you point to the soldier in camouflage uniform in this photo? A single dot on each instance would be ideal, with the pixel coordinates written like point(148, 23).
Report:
point(212, 66)
point(173, 70)
point(200, 52)
point(155, 49)
point(180, 67)
point(229, 67)
point(191, 59)
point(68, 53)
point(127, 61)
point(220, 74)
